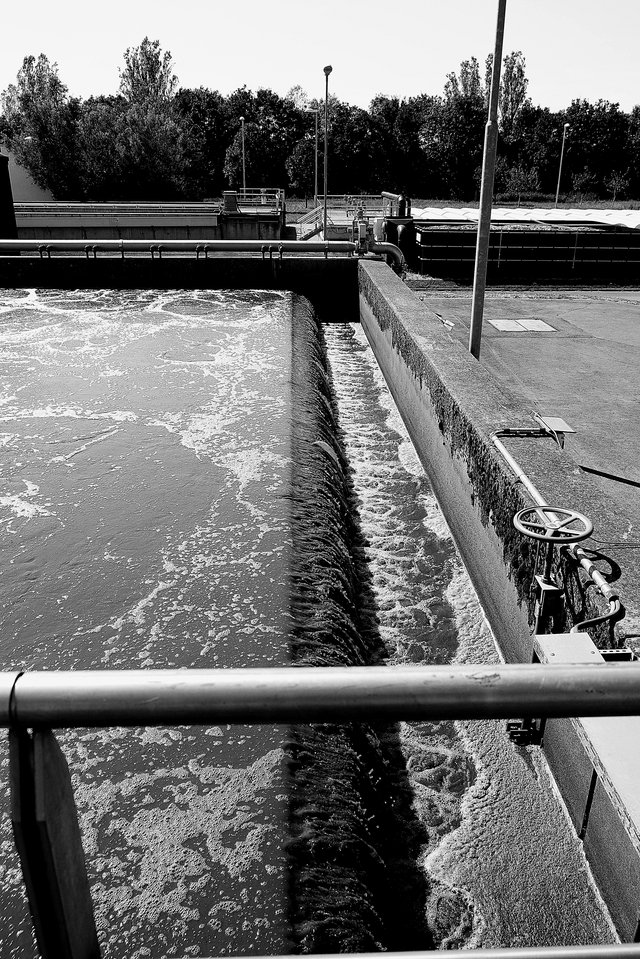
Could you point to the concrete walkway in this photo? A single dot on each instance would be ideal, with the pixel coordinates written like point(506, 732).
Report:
point(574, 354)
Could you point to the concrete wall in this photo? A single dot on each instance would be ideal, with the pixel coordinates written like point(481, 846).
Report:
point(451, 406)
point(331, 284)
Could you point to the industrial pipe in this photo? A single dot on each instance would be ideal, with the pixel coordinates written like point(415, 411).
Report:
point(390, 249)
point(314, 694)
point(627, 950)
point(208, 246)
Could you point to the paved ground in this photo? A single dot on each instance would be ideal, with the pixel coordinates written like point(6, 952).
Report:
point(584, 368)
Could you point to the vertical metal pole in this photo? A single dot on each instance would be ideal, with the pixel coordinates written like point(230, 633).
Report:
point(244, 172)
point(315, 195)
point(564, 134)
point(327, 71)
point(486, 192)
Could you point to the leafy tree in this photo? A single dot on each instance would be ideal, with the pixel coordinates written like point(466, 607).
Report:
point(513, 92)
point(633, 145)
point(617, 183)
point(597, 142)
point(39, 125)
point(99, 157)
point(147, 133)
point(452, 135)
point(272, 127)
point(466, 86)
point(203, 141)
point(147, 74)
point(521, 180)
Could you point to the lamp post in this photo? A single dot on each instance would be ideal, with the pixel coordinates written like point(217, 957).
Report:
point(564, 136)
point(244, 174)
point(486, 192)
point(327, 71)
point(315, 193)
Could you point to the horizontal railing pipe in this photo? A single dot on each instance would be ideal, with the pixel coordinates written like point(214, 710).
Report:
point(628, 950)
point(316, 694)
point(193, 246)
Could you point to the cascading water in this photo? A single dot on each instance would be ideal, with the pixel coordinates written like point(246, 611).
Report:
point(355, 837)
point(503, 864)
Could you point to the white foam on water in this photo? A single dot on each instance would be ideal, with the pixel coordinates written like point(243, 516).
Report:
point(22, 507)
point(169, 842)
point(504, 864)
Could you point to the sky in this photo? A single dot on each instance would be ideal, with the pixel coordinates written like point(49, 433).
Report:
point(572, 48)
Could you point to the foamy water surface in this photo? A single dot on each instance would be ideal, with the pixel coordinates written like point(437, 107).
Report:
point(502, 859)
point(144, 524)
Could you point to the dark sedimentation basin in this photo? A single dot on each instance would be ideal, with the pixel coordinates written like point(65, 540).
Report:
point(174, 467)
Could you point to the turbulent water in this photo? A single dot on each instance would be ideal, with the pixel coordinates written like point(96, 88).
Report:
point(501, 857)
point(145, 521)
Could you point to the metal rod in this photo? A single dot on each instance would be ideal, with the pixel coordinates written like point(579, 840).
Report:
point(615, 951)
point(316, 694)
point(327, 71)
point(564, 137)
point(486, 192)
point(244, 173)
point(337, 246)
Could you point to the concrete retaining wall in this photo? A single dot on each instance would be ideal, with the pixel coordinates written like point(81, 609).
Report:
point(331, 284)
point(451, 406)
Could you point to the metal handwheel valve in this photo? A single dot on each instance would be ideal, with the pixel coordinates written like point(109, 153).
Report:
point(553, 524)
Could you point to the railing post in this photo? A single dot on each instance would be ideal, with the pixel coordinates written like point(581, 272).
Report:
point(47, 835)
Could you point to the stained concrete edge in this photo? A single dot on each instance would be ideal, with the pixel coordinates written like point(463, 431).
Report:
point(451, 406)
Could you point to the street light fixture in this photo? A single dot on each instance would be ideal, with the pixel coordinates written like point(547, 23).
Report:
point(327, 71)
point(315, 194)
point(564, 136)
point(244, 174)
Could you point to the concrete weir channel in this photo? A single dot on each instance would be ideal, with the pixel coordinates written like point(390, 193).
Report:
point(432, 852)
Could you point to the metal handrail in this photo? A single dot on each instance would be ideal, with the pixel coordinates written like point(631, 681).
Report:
point(314, 694)
point(628, 950)
point(195, 246)
point(311, 216)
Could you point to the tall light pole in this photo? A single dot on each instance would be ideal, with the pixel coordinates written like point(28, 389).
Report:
point(486, 192)
point(327, 71)
point(315, 194)
point(244, 173)
point(564, 137)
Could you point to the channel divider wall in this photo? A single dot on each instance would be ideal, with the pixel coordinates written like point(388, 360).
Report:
point(451, 406)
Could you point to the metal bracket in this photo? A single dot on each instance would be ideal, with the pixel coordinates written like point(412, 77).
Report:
point(548, 598)
point(554, 426)
point(47, 835)
point(526, 732)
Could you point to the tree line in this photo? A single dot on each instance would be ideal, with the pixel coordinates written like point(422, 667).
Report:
point(154, 140)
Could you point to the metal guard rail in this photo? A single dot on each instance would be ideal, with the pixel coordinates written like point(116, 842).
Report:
point(43, 810)
point(314, 694)
point(46, 247)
